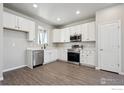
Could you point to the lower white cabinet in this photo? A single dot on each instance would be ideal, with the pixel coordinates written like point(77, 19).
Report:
point(50, 55)
point(88, 57)
point(62, 54)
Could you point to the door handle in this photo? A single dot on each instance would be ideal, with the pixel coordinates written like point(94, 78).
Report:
point(101, 49)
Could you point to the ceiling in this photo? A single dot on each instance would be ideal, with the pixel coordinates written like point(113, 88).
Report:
point(49, 12)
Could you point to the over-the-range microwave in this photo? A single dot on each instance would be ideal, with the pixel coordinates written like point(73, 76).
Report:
point(75, 38)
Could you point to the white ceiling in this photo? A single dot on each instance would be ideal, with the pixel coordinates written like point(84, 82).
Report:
point(48, 12)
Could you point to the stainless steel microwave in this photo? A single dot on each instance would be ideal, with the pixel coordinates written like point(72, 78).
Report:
point(75, 38)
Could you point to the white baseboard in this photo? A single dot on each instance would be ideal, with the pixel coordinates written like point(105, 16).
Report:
point(97, 68)
point(121, 73)
point(14, 68)
point(1, 78)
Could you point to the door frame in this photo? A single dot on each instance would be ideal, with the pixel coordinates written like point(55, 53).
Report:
point(98, 28)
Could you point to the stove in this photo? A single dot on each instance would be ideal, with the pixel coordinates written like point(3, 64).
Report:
point(74, 55)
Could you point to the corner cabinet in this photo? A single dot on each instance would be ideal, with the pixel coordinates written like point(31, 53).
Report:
point(56, 35)
point(11, 21)
point(61, 35)
point(50, 55)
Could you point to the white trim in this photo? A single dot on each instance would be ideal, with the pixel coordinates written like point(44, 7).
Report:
point(9, 69)
point(120, 64)
point(1, 78)
point(121, 73)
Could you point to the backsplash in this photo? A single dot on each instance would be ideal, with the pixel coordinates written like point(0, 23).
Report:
point(89, 44)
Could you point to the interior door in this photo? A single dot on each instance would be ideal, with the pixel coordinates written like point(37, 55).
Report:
point(108, 37)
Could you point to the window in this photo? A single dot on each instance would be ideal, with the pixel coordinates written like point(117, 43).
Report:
point(42, 36)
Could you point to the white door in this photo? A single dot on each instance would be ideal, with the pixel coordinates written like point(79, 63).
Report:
point(108, 45)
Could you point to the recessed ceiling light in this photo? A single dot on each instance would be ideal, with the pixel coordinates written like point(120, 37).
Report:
point(35, 5)
point(58, 19)
point(77, 12)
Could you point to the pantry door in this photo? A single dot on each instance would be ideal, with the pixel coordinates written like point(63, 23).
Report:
point(109, 38)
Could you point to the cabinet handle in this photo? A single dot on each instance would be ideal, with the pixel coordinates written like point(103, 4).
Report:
point(101, 49)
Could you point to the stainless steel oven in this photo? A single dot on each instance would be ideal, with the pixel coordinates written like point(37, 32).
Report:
point(73, 56)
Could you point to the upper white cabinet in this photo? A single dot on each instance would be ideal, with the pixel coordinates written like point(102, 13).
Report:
point(75, 30)
point(65, 35)
point(56, 35)
point(88, 31)
point(61, 35)
point(92, 31)
point(12, 21)
point(25, 24)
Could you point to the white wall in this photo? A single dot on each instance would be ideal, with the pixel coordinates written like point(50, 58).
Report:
point(14, 50)
point(1, 41)
point(111, 14)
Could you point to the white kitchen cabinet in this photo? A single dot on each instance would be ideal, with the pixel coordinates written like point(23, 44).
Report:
point(65, 35)
point(75, 30)
point(25, 24)
point(12, 21)
point(56, 35)
point(91, 31)
point(50, 55)
point(61, 35)
point(62, 54)
point(88, 31)
point(31, 31)
point(87, 57)
point(84, 30)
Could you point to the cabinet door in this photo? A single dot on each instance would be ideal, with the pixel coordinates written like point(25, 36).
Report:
point(56, 35)
point(46, 57)
point(64, 55)
point(31, 30)
point(78, 29)
point(91, 59)
point(23, 24)
point(84, 30)
point(72, 30)
point(65, 35)
point(53, 55)
point(91, 31)
point(10, 21)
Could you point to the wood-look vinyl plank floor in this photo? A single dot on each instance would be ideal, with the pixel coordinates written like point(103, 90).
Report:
point(61, 73)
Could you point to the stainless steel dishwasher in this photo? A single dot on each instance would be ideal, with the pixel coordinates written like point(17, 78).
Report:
point(38, 57)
